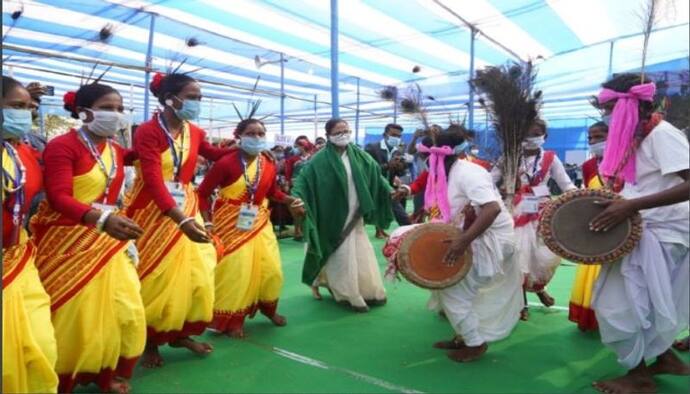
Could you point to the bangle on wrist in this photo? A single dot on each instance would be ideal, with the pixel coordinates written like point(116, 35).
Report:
point(185, 221)
point(296, 203)
point(100, 223)
point(208, 224)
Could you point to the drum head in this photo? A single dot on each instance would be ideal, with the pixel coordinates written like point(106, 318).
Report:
point(420, 259)
point(565, 228)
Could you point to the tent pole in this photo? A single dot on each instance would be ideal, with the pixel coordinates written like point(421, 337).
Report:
point(282, 94)
point(149, 61)
point(473, 36)
point(210, 115)
point(611, 58)
point(395, 107)
point(335, 104)
point(357, 115)
point(42, 121)
point(316, 119)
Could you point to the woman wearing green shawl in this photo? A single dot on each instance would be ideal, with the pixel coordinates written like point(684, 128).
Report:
point(343, 190)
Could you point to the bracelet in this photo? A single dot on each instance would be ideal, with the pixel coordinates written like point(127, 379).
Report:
point(208, 224)
point(100, 223)
point(184, 221)
point(297, 203)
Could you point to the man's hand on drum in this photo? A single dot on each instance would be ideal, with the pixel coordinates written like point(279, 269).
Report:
point(457, 248)
point(616, 211)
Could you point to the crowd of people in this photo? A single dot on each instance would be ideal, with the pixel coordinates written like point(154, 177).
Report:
point(105, 270)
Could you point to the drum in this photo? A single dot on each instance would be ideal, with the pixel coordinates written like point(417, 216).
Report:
point(564, 226)
point(419, 257)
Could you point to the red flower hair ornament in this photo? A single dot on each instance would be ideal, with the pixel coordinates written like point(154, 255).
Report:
point(155, 84)
point(69, 99)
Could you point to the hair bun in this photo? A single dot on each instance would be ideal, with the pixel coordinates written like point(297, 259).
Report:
point(69, 100)
point(155, 84)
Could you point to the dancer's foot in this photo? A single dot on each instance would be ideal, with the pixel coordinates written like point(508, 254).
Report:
point(119, 386)
point(545, 298)
point(375, 302)
point(201, 348)
point(466, 354)
point(524, 314)
point(668, 363)
point(236, 333)
point(316, 293)
point(380, 234)
point(453, 344)
point(638, 380)
point(682, 345)
point(360, 309)
point(278, 320)
point(151, 357)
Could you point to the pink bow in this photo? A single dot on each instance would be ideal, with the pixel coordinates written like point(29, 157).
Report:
point(622, 128)
point(436, 192)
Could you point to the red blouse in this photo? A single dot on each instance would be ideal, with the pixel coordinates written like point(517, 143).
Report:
point(228, 170)
point(149, 143)
point(66, 157)
point(34, 184)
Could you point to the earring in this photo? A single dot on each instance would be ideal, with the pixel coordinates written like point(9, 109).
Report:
point(169, 102)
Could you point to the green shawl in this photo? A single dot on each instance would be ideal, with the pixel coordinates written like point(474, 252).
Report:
point(322, 185)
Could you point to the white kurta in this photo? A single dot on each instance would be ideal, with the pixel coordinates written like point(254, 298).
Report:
point(642, 302)
point(485, 306)
point(537, 262)
point(352, 272)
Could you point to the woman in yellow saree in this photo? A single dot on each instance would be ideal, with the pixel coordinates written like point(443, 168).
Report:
point(177, 258)
point(29, 351)
point(82, 243)
point(249, 277)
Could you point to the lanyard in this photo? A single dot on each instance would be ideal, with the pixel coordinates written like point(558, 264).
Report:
point(18, 182)
point(109, 175)
point(251, 186)
point(177, 157)
point(534, 168)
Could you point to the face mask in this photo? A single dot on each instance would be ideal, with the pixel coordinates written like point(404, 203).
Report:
point(533, 142)
point(462, 148)
point(606, 119)
point(16, 123)
point(279, 156)
point(598, 148)
point(253, 145)
point(190, 109)
point(474, 152)
point(106, 123)
point(393, 142)
point(340, 140)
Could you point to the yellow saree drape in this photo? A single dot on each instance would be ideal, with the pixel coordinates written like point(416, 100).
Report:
point(96, 306)
point(249, 276)
point(580, 310)
point(176, 274)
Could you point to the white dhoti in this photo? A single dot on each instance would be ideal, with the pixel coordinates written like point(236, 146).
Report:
point(642, 302)
point(485, 306)
point(536, 261)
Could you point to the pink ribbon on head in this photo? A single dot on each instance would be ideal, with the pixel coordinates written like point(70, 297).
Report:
point(436, 192)
point(622, 128)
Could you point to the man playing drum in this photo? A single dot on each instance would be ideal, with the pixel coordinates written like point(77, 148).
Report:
point(641, 301)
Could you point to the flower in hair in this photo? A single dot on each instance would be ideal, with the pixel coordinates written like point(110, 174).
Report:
point(156, 81)
point(69, 99)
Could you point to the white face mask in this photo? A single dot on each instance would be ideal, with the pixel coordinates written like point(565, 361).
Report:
point(598, 148)
point(340, 140)
point(533, 142)
point(474, 152)
point(106, 123)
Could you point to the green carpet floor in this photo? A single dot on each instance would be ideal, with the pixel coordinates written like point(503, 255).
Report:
point(326, 348)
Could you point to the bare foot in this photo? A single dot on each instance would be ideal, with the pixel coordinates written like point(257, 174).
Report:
point(669, 364)
point(376, 302)
point(380, 234)
point(316, 293)
point(524, 314)
point(278, 320)
point(236, 334)
point(151, 357)
point(454, 344)
point(633, 382)
point(201, 348)
point(119, 386)
point(468, 353)
point(683, 345)
point(545, 298)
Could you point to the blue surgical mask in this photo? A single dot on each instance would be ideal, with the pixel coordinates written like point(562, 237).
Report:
point(190, 109)
point(16, 123)
point(253, 145)
point(606, 119)
point(393, 142)
point(462, 148)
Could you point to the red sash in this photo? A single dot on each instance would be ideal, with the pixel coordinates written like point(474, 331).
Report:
point(538, 178)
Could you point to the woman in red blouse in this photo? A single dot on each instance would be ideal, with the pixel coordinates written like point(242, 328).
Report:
point(85, 256)
point(248, 276)
point(176, 257)
point(27, 330)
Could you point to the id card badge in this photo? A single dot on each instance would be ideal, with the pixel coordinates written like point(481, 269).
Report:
point(247, 217)
point(530, 204)
point(177, 192)
point(541, 191)
point(103, 207)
